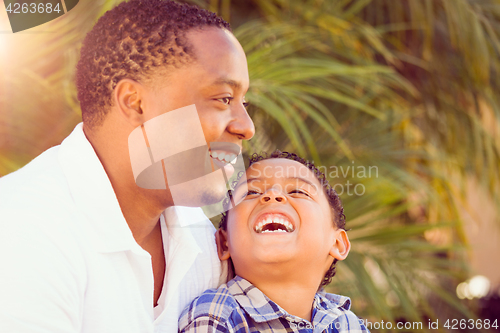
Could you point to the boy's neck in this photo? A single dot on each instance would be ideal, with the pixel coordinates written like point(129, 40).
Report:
point(295, 297)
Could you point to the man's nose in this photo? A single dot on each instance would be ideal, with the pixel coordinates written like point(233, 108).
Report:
point(273, 196)
point(242, 125)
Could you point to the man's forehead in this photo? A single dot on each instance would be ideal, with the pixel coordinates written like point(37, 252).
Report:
point(213, 44)
point(207, 39)
point(216, 60)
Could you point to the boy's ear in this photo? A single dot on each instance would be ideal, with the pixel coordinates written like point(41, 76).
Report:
point(340, 248)
point(127, 96)
point(221, 241)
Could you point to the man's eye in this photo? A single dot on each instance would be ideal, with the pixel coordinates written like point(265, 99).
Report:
point(225, 100)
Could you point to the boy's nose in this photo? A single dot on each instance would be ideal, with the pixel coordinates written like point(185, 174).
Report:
point(273, 196)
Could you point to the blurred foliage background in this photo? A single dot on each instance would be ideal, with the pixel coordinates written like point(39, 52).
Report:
point(397, 99)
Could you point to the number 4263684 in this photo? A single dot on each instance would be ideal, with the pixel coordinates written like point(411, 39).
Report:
point(32, 8)
point(455, 324)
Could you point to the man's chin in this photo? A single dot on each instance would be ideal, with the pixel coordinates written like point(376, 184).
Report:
point(203, 191)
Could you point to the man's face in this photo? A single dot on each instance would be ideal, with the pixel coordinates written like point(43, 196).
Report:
point(284, 218)
point(216, 82)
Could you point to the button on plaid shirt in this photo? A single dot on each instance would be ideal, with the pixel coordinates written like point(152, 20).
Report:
point(239, 307)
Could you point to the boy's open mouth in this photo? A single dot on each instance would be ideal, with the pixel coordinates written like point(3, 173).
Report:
point(274, 223)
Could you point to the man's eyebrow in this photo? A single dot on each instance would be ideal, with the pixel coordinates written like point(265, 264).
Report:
point(224, 81)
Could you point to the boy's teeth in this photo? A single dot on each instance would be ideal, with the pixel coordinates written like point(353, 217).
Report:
point(213, 154)
point(288, 226)
point(221, 156)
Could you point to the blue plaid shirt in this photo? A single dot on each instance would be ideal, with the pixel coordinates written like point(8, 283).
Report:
point(239, 307)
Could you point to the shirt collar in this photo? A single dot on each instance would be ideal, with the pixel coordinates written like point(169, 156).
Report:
point(327, 308)
point(327, 300)
point(93, 194)
point(262, 309)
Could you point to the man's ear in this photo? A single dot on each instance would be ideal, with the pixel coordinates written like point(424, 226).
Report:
point(221, 241)
point(127, 97)
point(340, 248)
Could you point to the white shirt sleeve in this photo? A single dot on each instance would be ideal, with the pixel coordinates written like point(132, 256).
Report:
point(41, 284)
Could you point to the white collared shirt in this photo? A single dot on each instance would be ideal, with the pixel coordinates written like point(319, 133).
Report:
point(69, 262)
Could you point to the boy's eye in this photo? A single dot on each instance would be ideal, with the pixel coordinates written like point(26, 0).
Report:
point(250, 192)
point(298, 192)
point(246, 104)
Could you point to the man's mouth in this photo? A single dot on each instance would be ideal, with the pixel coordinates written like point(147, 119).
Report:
point(274, 223)
point(223, 157)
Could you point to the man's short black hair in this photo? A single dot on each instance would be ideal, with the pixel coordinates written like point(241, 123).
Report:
point(134, 40)
point(331, 194)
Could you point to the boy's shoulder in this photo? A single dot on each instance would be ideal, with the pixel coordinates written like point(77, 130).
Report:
point(236, 306)
point(340, 307)
point(216, 303)
point(240, 307)
point(332, 301)
point(212, 308)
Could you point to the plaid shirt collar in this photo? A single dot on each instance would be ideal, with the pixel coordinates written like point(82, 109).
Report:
point(262, 309)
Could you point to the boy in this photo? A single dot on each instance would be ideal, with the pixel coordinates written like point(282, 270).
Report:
point(283, 239)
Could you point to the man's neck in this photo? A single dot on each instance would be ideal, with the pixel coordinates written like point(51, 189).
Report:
point(140, 207)
point(141, 212)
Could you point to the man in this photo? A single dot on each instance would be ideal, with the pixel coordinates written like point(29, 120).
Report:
point(83, 248)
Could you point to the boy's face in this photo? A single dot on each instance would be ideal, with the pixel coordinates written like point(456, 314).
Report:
point(284, 218)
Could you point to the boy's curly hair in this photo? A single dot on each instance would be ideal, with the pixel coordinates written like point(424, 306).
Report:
point(332, 196)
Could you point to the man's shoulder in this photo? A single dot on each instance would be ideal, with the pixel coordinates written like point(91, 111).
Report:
point(39, 225)
point(35, 169)
point(42, 188)
point(40, 185)
point(37, 200)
